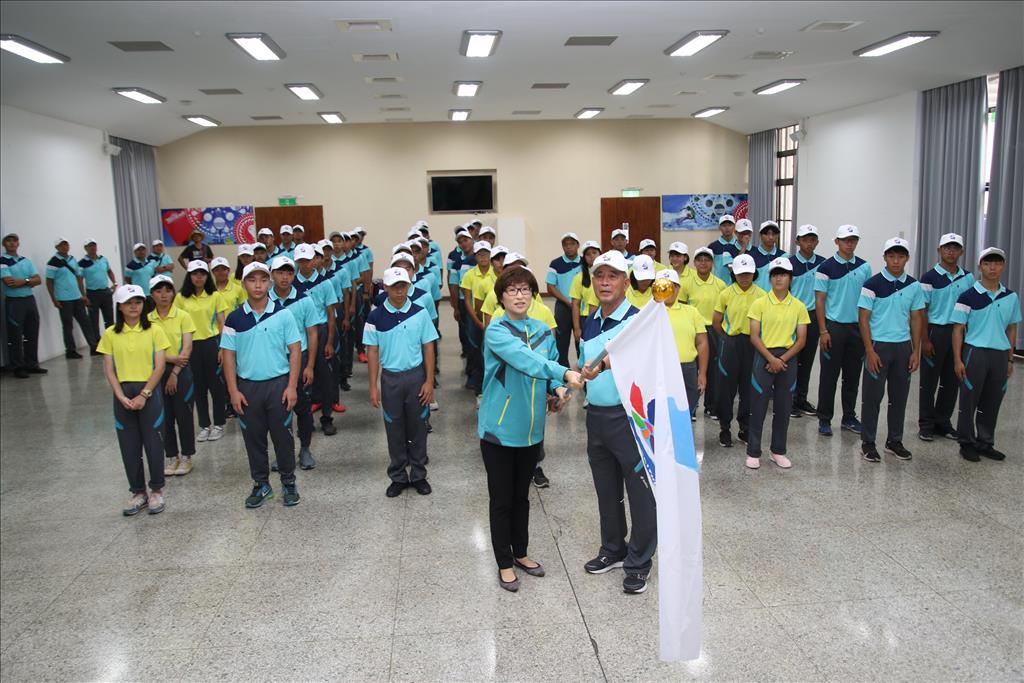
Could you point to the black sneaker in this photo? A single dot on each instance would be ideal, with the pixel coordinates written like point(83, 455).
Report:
point(396, 489)
point(37, 371)
point(896, 448)
point(273, 466)
point(260, 494)
point(725, 439)
point(21, 373)
point(329, 429)
point(806, 408)
point(601, 565)
point(539, 480)
point(345, 386)
point(925, 435)
point(870, 452)
point(991, 453)
point(422, 487)
point(795, 413)
point(74, 355)
point(742, 435)
point(635, 582)
point(291, 495)
point(969, 453)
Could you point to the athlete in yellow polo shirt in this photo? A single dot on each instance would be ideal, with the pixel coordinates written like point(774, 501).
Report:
point(641, 277)
point(581, 291)
point(735, 354)
point(778, 331)
point(691, 341)
point(475, 326)
point(229, 289)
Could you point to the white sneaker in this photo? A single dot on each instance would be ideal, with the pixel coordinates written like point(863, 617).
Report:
point(203, 435)
point(184, 466)
point(216, 432)
point(434, 406)
point(170, 466)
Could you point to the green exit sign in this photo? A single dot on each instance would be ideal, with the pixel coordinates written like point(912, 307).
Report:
point(287, 201)
point(630, 192)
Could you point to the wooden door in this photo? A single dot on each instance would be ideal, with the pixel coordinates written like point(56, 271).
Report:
point(643, 214)
point(311, 218)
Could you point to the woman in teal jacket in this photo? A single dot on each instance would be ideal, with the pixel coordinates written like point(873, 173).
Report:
point(521, 381)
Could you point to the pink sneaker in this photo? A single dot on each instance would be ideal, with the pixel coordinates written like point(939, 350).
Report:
point(782, 461)
point(753, 463)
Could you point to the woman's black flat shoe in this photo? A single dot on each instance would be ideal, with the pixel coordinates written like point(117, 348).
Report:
point(511, 586)
point(532, 571)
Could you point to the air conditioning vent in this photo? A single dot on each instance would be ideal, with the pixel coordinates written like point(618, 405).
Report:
point(395, 109)
point(590, 41)
point(378, 57)
point(549, 86)
point(398, 120)
point(831, 26)
point(526, 112)
point(266, 118)
point(140, 46)
point(220, 91)
point(660, 106)
point(363, 25)
point(383, 80)
point(640, 116)
point(689, 92)
point(723, 77)
point(769, 55)
point(390, 96)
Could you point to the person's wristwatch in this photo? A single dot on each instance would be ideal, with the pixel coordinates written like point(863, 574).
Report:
point(147, 393)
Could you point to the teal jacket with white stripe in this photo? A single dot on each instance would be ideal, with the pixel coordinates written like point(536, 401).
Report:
point(519, 371)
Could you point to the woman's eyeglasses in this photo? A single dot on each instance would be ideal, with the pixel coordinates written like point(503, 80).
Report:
point(518, 291)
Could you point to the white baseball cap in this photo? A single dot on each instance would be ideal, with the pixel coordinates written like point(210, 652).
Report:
point(462, 233)
point(361, 230)
point(704, 251)
point(781, 262)
point(401, 246)
point(727, 218)
point(286, 229)
point(218, 262)
point(667, 274)
point(197, 264)
point(326, 244)
point(282, 262)
point(619, 232)
point(991, 251)
point(613, 259)
point(498, 251)
point(393, 276)
point(647, 243)
point(744, 225)
point(126, 293)
point(304, 252)
point(591, 244)
point(487, 230)
point(896, 243)
point(317, 248)
point(678, 248)
point(515, 257)
point(413, 234)
point(158, 242)
point(246, 249)
point(951, 238)
point(844, 231)
point(138, 245)
point(481, 246)
point(160, 280)
point(254, 267)
point(402, 257)
point(744, 263)
point(767, 225)
point(88, 242)
point(265, 231)
point(806, 229)
point(643, 267)
point(298, 227)
point(259, 245)
point(334, 233)
point(570, 236)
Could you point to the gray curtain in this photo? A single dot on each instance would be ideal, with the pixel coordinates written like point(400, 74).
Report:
point(138, 214)
point(761, 178)
point(952, 127)
point(1005, 222)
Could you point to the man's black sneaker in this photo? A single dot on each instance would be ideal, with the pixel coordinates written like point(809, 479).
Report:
point(306, 460)
point(539, 480)
point(946, 432)
point(329, 429)
point(925, 435)
point(870, 452)
point(635, 582)
point(260, 494)
point(273, 465)
point(742, 436)
point(422, 487)
point(896, 448)
point(795, 413)
point(601, 564)
point(291, 495)
point(21, 373)
point(725, 439)
point(969, 453)
point(345, 386)
point(806, 408)
point(991, 453)
point(396, 489)
point(74, 355)
point(37, 371)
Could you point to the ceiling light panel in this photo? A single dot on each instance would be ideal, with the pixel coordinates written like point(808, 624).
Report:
point(588, 112)
point(590, 41)
point(259, 46)
point(304, 91)
point(23, 47)
point(363, 25)
point(694, 42)
point(628, 86)
point(899, 42)
point(776, 87)
point(140, 46)
point(140, 95)
point(331, 116)
point(459, 114)
point(479, 43)
point(708, 112)
point(202, 120)
point(466, 88)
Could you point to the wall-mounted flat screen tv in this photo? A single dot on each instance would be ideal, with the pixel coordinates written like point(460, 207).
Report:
point(461, 193)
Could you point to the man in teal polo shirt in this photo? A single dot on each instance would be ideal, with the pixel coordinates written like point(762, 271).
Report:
point(614, 459)
point(140, 270)
point(324, 295)
point(725, 248)
point(262, 350)
point(805, 267)
point(67, 292)
point(100, 284)
point(18, 276)
point(559, 281)
point(158, 254)
point(985, 321)
point(766, 252)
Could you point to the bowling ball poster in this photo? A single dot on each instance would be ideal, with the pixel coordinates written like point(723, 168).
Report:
point(220, 225)
point(700, 211)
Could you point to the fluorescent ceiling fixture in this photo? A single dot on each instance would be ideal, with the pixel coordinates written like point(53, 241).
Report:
point(459, 114)
point(466, 88)
point(589, 112)
point(628, 86)
point(479, 43)
point(140, 95)
point(304, 91)
point(895, 43)
point(202, 120)
point(694, 43)
point(778, 86)
point(331, 116)
point(709, 112)
point(260, 46)
point(29, 50)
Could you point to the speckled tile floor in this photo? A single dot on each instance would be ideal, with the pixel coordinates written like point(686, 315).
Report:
point(836, 570)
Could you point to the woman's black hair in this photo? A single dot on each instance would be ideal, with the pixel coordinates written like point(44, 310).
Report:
point(143, 317)
point(777, 271)
point(188, 289)
point(586, 271)
point(238, 269)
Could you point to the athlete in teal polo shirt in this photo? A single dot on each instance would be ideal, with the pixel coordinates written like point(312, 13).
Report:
point(805, 267)
point(65, 283)
point(18, 276)
point(559, 283)
point(140, 270)
point(100, 284)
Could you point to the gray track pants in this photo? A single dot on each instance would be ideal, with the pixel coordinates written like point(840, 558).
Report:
point(780, 389)
point(405, 422)
point(138, 430)
point(981, 394)
point(894, 373)
point(266, 413)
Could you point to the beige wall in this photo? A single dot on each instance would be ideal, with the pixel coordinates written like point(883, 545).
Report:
point(551, 174)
